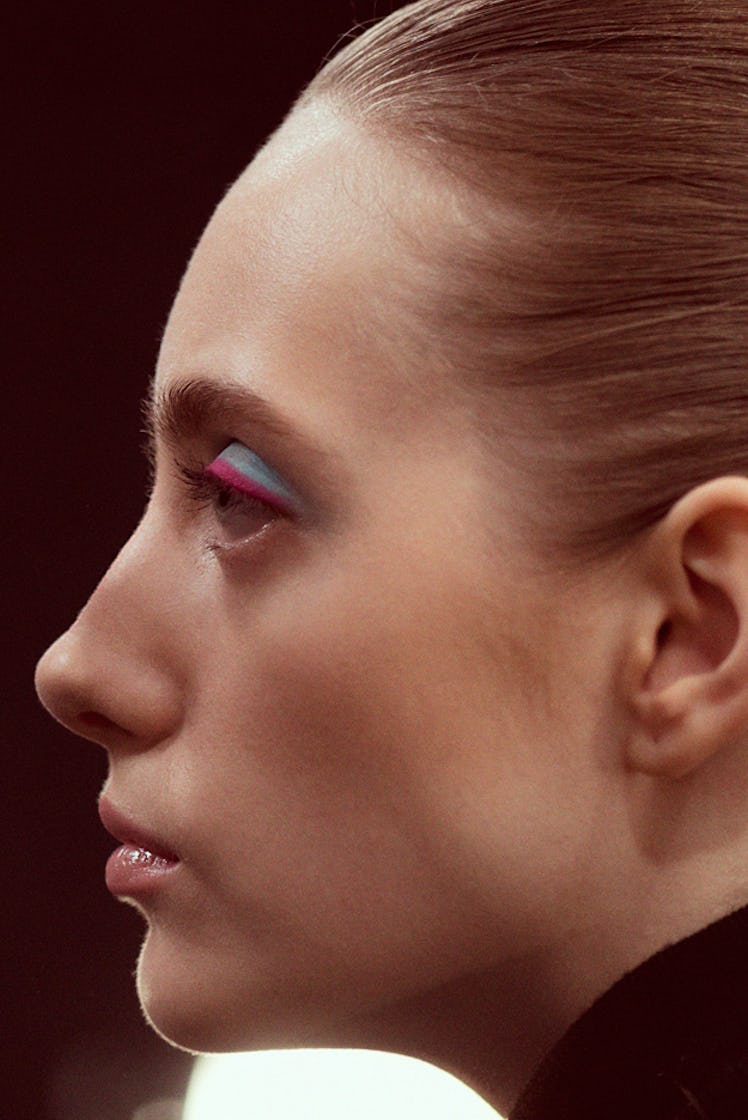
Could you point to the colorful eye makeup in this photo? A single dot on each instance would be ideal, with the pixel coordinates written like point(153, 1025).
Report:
point(243, 471)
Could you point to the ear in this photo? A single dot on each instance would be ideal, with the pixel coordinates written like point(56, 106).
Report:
point(689, 687)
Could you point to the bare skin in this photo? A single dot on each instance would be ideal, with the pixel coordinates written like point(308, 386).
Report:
point(427, 792)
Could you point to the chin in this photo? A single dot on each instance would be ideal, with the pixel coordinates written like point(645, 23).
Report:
point(198, 1006)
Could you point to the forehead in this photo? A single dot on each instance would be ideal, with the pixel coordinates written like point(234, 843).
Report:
point(296, 286)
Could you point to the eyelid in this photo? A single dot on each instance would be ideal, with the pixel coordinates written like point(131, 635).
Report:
point(243, 470)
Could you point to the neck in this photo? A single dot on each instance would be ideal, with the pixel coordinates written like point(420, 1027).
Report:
point(476, 1028)
point(492, 1029)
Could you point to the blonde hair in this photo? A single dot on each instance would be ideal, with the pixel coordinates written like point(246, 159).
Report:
point(616, 321)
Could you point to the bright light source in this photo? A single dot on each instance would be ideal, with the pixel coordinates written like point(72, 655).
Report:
point(327, 1085)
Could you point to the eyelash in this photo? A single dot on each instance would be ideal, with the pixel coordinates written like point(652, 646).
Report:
point(207, 491)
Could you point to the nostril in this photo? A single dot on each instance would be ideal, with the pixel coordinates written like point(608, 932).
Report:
point(123, 705)
point(96, 721)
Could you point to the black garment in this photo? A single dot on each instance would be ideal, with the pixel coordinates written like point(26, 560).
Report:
point(668, 1042)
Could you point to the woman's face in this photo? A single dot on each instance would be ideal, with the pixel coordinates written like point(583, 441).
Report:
point(324, 672)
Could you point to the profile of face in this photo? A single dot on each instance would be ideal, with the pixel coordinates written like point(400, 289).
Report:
point(337, 693)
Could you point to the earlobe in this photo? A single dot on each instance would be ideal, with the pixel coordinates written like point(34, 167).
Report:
point(690, 691)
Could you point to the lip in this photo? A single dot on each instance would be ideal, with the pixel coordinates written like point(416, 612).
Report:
point(142, 862)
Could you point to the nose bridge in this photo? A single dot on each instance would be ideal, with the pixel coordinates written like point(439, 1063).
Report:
point(115, 672)
point(132, 592)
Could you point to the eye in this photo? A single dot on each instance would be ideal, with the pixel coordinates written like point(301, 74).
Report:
point(243, 493)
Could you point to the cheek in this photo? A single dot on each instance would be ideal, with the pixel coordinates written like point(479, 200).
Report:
point(330, 710)
point(373, 674)
point(376, 729)
point(371, 731)
point(369, 801)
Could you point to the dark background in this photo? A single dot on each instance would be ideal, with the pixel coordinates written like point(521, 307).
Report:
point(127, 123)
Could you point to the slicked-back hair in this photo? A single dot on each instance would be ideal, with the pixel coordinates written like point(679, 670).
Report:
point(600, 291)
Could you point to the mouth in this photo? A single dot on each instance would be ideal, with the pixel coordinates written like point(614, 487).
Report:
point(142, 861)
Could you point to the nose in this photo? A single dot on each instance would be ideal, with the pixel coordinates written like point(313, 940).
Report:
point(113, 676)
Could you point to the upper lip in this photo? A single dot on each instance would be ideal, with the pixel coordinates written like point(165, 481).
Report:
point(119, 825)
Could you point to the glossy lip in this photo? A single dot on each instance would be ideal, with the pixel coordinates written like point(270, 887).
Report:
point(142, 864)
point(127, 832)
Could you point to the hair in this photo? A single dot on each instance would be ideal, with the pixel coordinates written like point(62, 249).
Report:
point(599, 285)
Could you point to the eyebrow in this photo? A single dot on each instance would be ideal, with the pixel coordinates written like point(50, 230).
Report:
point(190, 407)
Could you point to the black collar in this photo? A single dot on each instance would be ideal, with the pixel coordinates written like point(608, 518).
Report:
point(668, 1042)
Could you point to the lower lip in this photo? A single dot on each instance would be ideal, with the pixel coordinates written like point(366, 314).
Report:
point(136, 871)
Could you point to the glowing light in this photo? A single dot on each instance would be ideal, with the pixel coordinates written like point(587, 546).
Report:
point(327, 1085)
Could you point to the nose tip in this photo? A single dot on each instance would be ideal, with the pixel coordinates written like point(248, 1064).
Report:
point(115, 700)
point(66, 694)
point(50, 671)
